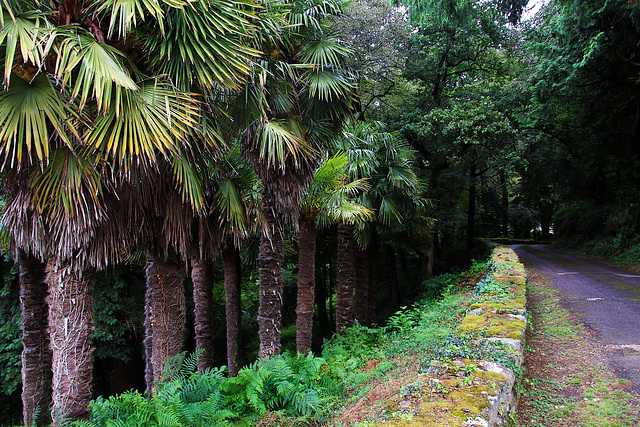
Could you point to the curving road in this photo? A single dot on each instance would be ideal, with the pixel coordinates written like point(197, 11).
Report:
point(607, 298)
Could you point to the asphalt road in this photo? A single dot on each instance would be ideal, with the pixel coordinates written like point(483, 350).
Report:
point(607, 299)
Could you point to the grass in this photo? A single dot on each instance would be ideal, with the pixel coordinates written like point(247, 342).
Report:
point(567, 382)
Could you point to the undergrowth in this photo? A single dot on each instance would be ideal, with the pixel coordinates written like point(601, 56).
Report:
point(298, 389)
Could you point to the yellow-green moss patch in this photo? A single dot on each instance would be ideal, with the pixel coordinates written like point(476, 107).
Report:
point(493, 325)
point(500, 307)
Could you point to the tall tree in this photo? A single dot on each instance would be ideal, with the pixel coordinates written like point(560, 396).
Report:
point(298, 96)
point(387, 164)
point(64, 149)
point(328, 200)
point(236, 203)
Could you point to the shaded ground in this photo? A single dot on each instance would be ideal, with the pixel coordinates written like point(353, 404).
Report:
point(569, 380)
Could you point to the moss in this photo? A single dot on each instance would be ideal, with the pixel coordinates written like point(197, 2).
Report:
point(463, 402)
point(500, 307)
point(511, 278)
point(493, 325)
point(492, 377)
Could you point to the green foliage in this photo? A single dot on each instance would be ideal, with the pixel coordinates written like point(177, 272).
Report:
point(471, 347)
point(302, 387)
point(490, 288)
point(10, 329)
point(299, 386)
point(438, 284)
point(118, 311)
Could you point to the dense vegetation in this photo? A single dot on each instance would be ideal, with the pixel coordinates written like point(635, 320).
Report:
point(245, 179)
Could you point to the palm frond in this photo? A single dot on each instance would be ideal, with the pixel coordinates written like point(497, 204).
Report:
point(28, 113)
point(155, 117)
point(280, 138)
point(93, 68)
point(125, 14)
point(313, 13)
point(68, 184)
point(325, 52)
point(389, 211)
point(328, 85)
point(189, 180)
point(206, 44)
point(30, 33)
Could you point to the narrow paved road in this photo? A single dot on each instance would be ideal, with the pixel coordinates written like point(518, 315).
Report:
point(607, 298)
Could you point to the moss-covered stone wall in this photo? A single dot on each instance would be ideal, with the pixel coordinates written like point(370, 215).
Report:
point(476, 392)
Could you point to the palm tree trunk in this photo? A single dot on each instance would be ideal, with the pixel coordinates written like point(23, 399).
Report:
point(270, 275)
point(165, 315)
point(201, 277)
point(361, 300)
point(346, 277)
point(70, 334)
point(36, 354)
point(306, 284)
point(233, 307)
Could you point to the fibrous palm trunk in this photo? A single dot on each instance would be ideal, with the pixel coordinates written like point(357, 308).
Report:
point(70, 334)
point(36, 354)
point(306, 284)
point(270, 276)
point(346, 277)
point(164, 315)
point(201, 277)
point(232, 276)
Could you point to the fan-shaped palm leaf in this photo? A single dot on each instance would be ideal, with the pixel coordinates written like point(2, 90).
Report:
point(27, 111)
point(279, 138)
point(328, 85)
point(30, 32)
point(126, 13)
point(325, 52)
point(99, 67)
point(157, 118)
point(206, 43)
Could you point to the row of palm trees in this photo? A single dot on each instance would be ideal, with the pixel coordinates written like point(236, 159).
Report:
point(174, 128)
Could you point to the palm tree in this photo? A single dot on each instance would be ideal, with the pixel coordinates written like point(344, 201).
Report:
point(233, 188)
point(387, 163)
point(327, 201)
point(72, 75)
point(298, 96)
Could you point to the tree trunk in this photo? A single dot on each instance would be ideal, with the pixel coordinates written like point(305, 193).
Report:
point(233, 307)
point(165, 315)
point(361, 298)
point(306, 284)
point(36, 354)
point(270, 275)
point(201, 277)
point(346, 277)
point(70, 333)
point(471, 213)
